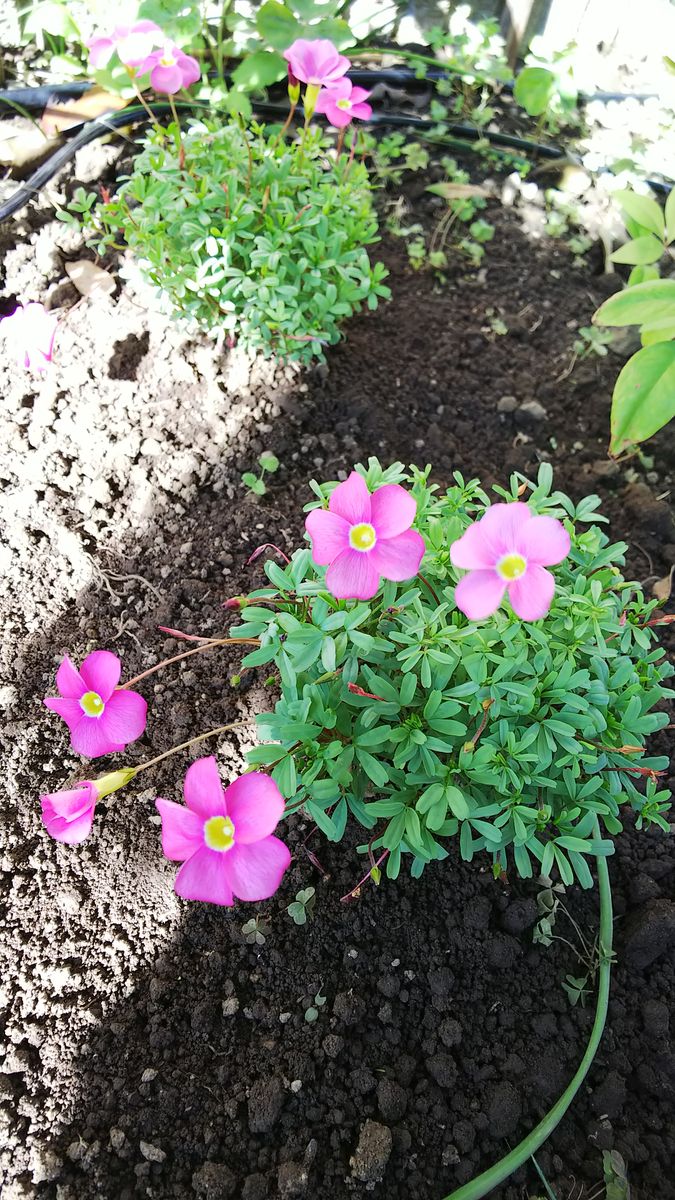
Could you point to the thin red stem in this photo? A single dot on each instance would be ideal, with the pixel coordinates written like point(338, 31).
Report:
point(186, 654)
point(355, 890)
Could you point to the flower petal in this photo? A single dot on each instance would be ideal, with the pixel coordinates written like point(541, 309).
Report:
point(502, 523)
point(392, 510)
point(203, 877)
point(255, 805)
point(89, 737)
point(167, 80)
point(479, 594)
point(68, 709)
point(255, 872)
point(68, 816)
point(363, 112)
point(190, 69)
point(543, 541)
point(101, 672)
point(203, 790)
point(473, 551)
point(124, 716)
point(531, 595)
point(398, 558)
point(351, 500)
point(329, 534)
point(101, 51)
point(353, 576)
point(182, 830)
point(69, 681)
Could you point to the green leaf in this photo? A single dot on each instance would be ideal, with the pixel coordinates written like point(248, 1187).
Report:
point(457, 803)
point(644, 395)
point(644, 304)
point(670, 216)
point(533, 89)
point(256, 71)
point(644, 210)
point(269, 461)
point(277, 26)
point(647, 249)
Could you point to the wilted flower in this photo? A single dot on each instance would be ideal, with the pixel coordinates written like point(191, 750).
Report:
point(223, 836)
point(341, 102)
point(507, 550)
point(362, 537)
point(31, 330)
point(170, 69)
point(316, 62)
point(133, 44)
point(101, 717)
point(68, 816)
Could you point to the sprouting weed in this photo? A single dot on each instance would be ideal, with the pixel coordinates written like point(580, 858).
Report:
point(255, 483)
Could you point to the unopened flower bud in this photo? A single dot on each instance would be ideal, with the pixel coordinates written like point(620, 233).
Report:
point(113, 781)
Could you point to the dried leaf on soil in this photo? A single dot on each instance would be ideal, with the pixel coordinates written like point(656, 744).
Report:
point(89, 279)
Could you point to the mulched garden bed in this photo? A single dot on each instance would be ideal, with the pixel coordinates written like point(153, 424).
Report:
point(149, 1051)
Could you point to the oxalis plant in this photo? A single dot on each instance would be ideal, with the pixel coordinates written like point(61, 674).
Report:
point(450, 669)
point(249, 232)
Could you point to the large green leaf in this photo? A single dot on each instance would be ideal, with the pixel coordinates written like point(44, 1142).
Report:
point(533, 89)
point(277, 26)
point(670, 216)
point(644, 396)
point(259, 69)
point(335, 29)
point(644, 304)
point(646, 249)
point(644, 210)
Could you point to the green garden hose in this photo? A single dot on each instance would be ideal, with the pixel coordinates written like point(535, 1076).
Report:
point(483, 1184)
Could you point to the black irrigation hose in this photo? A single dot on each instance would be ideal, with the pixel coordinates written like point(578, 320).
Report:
point(36, 99)
point(88, 131)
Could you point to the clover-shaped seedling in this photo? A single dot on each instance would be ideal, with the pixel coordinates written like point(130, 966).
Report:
point(301, 908)
point(254, 931)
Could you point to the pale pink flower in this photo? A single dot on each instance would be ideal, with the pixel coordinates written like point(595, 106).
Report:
point(507, 551)
point(341, 102)
point(316, 62)
point(31, 330)
point(362, 537)
point(170, 69)
point(102, 718)
point(224, 836)
point(133, 44)
point(68, 816)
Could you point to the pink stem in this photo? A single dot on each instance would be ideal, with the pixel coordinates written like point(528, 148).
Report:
point(355, 891)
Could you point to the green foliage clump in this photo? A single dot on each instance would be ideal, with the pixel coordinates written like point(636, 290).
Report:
point(250, 235)
point(424, 726)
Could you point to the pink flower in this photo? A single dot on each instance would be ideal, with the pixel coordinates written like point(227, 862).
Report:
point(170, 69)
point(68, 816)
point(317, 62)
point(223, 837)
point(507, 550)
point(362, 537)
point(133, 44)
point(341, 102)
point(31, 329)
point(101, 720)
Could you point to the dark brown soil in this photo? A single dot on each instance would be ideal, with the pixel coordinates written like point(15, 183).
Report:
point(149, 1051)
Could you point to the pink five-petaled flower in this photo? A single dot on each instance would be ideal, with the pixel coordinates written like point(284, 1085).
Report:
point(317, 63)
point(133, 44)
point(68, 815)
point(224, 837)
point(341, 102)
point(508, 549)
point(101, 720)
point(170, 69)
point(362, 537)
point(31, 329)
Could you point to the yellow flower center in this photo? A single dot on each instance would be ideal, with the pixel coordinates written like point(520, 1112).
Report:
point(167, 59)
point(362, 537)
point(511, 567)
point(92, 704)
point(219, 833)
point(346, 104)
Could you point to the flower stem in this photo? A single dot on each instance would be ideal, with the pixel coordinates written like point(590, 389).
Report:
point(180, 149)
point(425, 581)
point(355, 890)
point(192, 742)
point(186, 654)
